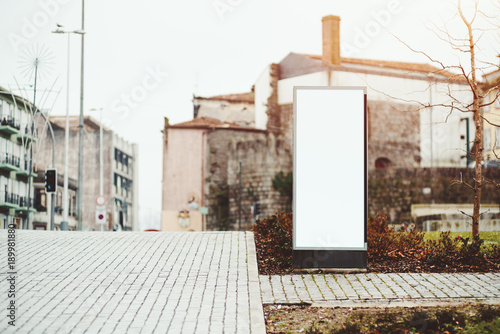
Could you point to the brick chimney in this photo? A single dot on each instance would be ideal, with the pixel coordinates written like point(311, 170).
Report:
point(331, 40)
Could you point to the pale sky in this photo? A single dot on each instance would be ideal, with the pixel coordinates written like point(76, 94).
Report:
point(145, 59)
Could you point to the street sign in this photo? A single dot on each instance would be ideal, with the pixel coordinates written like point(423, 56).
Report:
point(100, 214)
point(100, 200)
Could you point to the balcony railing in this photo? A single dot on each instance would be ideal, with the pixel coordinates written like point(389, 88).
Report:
point(9, 199)
point(9, 125)
point(23, 201)
point(25, 134)
point(9, 161)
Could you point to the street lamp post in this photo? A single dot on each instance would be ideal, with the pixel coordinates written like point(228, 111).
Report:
point(101, 184)
point(80, 128)
point(64, 223)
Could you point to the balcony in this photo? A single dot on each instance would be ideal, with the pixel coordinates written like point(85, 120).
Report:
point(23, 204)
point(9, 200)
point(25, 135)
point(24, 168)
point(9, 162)
point(9, 126)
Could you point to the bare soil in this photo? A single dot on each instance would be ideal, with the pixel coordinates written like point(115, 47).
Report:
point(309, 319)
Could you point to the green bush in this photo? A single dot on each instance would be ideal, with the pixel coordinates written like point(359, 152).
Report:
point(444, 250)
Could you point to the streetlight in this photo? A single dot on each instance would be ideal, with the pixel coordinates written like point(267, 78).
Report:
point(64, 223)
point(101, 186)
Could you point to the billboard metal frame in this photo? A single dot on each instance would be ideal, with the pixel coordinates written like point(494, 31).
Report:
point(321, 256)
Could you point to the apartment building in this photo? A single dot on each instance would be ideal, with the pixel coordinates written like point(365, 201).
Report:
point(120, 172)
point(15, 142)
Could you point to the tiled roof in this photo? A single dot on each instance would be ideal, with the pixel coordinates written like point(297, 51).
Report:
point(205, 122)
point(210, 123)
point(397, 65)
point(241, 98)
point(74, 122)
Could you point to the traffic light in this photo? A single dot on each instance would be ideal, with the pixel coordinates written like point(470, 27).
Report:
point(50, 180)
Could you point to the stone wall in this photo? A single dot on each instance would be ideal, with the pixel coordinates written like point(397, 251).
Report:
point(262, 156)
point(393, 133)
point(393, 191)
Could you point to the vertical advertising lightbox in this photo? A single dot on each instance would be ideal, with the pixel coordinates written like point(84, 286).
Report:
point(330, 177)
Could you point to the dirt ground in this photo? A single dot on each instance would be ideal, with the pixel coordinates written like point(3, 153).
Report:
point(430, 319)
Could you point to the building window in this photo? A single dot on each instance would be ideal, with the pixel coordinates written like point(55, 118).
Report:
point(40, 226)
point(381, 163)
point(74, 205)
point(497, 137)
point(40, 200)
point(487, 139)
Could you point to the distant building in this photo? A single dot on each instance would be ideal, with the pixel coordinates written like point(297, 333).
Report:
point(120, 170)
point(398, 134)
point(201, 160)
point(15, 142)
point(201, 169)
point(42, 203)
point(492, 116)
point(235, 108)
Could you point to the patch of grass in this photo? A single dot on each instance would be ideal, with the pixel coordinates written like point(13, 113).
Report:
point(469, 319)
point(489, 237)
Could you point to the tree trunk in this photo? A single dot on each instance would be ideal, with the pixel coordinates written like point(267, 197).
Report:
point(478, 173)
point(478, 122)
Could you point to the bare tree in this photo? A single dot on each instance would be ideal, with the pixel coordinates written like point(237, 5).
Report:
point(468, 45)
point(478, 96)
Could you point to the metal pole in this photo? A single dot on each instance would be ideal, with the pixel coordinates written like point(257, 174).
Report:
point(80, 130)
point(66, 149)
point(52, 196)
point(468, 141)
point(101, 185)
point(239, 202)
point(431, 108)
point(31, 146)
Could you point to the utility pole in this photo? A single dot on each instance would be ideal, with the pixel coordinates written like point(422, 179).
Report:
point(80, 129)
point(239, 200)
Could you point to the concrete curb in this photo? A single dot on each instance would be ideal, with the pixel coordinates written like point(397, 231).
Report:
point(447, 302)
point(257, 320)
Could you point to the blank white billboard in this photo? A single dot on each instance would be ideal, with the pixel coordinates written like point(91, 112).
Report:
point(329, 168)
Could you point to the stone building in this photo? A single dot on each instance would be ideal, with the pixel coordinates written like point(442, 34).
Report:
point(235, 108)
point(202, 161)
point(120, 170)
point(401, 132)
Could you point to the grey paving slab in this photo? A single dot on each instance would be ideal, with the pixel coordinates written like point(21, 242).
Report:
point(382, 289)
point(104, 282)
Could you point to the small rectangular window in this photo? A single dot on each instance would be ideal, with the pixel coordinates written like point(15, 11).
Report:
point(487, 139)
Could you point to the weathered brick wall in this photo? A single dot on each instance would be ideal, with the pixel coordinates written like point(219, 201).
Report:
point(262, 156)
point(395, 190)
point(287, 122)
point(393, 133)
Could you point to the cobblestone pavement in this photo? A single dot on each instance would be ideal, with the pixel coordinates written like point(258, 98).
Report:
point(344, 289)
point(104, 282)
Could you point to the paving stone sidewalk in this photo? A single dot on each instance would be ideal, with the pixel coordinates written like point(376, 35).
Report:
point(348, 289)
point(105, 282)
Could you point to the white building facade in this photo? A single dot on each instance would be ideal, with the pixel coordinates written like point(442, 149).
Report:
point(442, 134)
point(15, 142)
